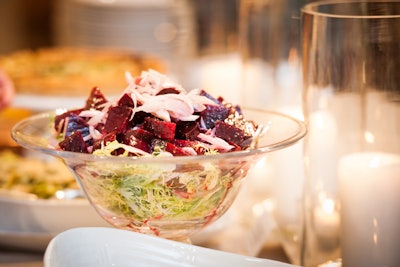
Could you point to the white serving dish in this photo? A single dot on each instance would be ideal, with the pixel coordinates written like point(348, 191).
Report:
point(24, 218)
point(101, 247)
point(46, 216)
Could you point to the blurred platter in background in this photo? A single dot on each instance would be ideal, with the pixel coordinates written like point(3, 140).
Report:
point(73, 71)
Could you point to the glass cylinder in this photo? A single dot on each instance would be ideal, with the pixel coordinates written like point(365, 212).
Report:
point(351, 63)
point(270, 49)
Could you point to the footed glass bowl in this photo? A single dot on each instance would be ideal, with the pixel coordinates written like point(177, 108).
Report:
point(171, 197)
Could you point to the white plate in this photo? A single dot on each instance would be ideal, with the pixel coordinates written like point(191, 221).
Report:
point(29, 223)
point(45, 216)
point(103, 247)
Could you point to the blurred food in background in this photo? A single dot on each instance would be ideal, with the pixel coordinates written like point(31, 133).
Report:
point(43, 178)
point(72, 71)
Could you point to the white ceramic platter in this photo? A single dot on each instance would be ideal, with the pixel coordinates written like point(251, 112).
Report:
point(106, 247)
point(28, 223)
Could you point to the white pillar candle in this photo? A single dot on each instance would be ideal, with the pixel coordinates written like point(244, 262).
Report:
point(322, 151)
point(370, 209)
point(288, 183)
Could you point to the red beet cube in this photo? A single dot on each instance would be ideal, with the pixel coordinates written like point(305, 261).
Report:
point(212, 114)
point(187, 130)
point(118, 119)
point(126, 100)
point(200, 150)
point(161, 129)
point(137, 133)
point(229, 132)
point(60, 119)
point(175, 150)
point(74, 143)
point(96, 99)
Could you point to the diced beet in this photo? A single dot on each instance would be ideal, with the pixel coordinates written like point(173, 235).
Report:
point(220, 99)
point(175, 183)
point(236, 147)
point(126, 100)
point(187, 130)
point(118, 119)
point(61, 119)
point(204, 93)
point(212, 114)
point(137, 133)
point(175, 150)
point(169, 90)
point(161, 129)
point(139, 117)
point(229, 132)
point(96, 99)
point(238, 110)
point(142, 145)
point(137, 138)
point(74, 143)
point(200, 150)
point(76, 124)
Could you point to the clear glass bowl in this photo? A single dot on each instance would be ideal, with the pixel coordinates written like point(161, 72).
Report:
point(171, 197)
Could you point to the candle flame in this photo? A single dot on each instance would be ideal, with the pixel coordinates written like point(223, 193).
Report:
point(369, 137)
point(328, 205)
point(375, 234)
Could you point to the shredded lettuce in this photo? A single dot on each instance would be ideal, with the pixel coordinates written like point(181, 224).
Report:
point(145, 192)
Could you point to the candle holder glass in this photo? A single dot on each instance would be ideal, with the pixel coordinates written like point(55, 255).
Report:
point(351, 62)
point(269, 34)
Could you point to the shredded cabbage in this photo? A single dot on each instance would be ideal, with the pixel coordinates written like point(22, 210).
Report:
point(145, 192)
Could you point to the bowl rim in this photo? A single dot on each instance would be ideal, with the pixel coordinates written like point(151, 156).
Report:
point(68, 155)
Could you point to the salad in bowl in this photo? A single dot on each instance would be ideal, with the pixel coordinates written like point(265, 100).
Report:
point(159, 159)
